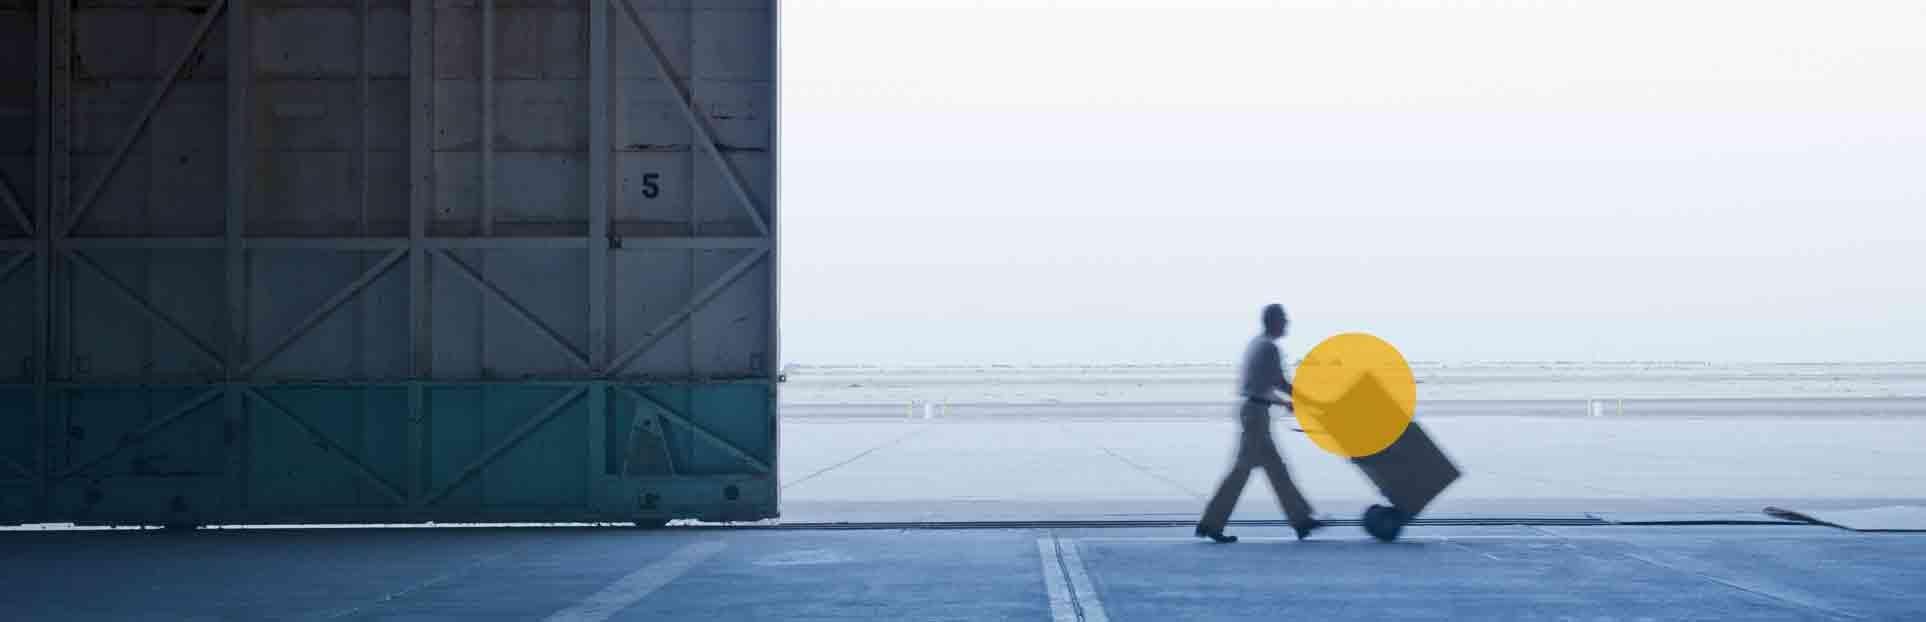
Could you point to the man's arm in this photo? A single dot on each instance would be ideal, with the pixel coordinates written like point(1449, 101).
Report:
point(1275, 359)
point(1284, 386)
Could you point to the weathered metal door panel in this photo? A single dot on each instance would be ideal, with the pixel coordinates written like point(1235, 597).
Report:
point(371, 260)
point(149, 454)
point(327, 448)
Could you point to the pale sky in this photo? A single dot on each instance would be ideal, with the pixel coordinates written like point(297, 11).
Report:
point(971, 182)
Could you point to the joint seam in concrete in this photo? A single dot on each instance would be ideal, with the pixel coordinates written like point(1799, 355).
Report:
point(1771, 595)
point(434, 581)
point(860, 455)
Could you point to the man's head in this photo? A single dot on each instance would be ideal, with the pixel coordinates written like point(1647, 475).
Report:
point(1276, 324)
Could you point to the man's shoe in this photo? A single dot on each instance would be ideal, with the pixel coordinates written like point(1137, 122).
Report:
point(1215, 536)
point(1305, 528)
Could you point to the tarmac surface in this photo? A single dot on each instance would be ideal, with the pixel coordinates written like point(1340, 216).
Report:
point(1068, 518)
point(1517, 572)
point(1050, 465)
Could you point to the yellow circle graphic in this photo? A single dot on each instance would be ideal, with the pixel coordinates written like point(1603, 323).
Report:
point(1354, 394)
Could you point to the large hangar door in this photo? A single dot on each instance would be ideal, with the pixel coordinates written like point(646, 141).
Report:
point(472, 262)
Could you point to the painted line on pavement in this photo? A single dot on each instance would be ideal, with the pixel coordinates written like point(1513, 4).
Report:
point(1356, 539)
point(1085, 592)
point(639, 584)
point(1053, 581)
point(1073, 598)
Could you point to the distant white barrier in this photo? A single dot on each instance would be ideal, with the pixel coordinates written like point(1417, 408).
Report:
point(931, 410)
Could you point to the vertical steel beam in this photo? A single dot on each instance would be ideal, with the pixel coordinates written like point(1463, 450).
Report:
point(487, 117)
point(143, 344)
point(487, 135)
point(59, 205)
point(60, 183)
point(367, 111)
point(359, 349)
point(45, 122)
point(240, 157)
point(598, 412)
point(774, 323)
point(421, 198)
point(240, 160)
point(600, 71)
point(690, 338)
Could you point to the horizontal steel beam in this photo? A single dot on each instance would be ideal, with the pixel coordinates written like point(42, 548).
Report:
point(19, 244)
point(378, 244)
point(750, 243)
point(504, 242)
point(116, 243)
point(393, 383)
point(336, 244)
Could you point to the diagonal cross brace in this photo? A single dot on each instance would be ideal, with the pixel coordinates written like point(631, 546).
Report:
point(146, 114)
point(145, 307)
point(686, 103)
point(156, 425)
point(700, 431)
point(14, 264)
point(13, 205)
point(500, 296)
point(15, 466)
point(683, 314)
point(361, 468)
point(514, 438)
point(326, 309)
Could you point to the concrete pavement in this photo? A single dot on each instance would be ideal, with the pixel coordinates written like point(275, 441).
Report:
point(1049, 466)
point(1779, 572)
